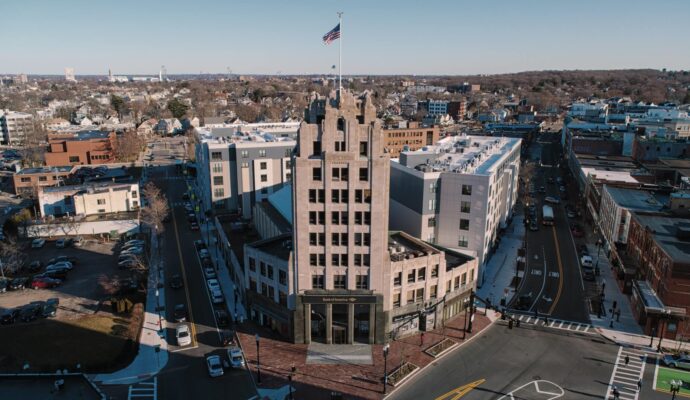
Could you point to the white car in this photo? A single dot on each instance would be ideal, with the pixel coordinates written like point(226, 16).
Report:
point(60, 265)
point(215, 366)
point(586, 261)
point(217, 296)
point(133, 250)
point(209, 272)
point(213, 284)
point(137, 242)
point(37, 243)
point(182, 335)
point(552, 200)
point(235, 357)
point(203, 253)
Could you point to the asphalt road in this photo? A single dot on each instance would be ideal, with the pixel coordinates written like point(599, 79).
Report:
point(185, 376)
point(552, 279)
point(507, 360)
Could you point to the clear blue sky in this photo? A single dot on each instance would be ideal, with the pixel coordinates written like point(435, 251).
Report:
point(379, 36)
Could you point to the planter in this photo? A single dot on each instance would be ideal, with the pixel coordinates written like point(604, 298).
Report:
point(440, 347)
point(401, 373)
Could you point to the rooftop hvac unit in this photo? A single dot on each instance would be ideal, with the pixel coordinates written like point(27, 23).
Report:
point(391, 250)
point(401, 249)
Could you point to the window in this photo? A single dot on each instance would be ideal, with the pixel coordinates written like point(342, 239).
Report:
point(433, 291)
point(464, 278)
point(282, 298)
point(358, 260)
point(216, 155)
point(218, 192)
point(358, 238)
point(245, 153)
point(359, 198)
point(245, 164)
point(262, 165)
point(217, 167)
point(317, 281)
point(432, 204)
point(313, 239)
point(269, 270)
point(335, 239)
point(339, 282)
point(365, 260)
point(252, 264)
point(343, 260)
point(336, 174)
point(343, 239)
point(410, 296)
point(340, 146)
point(252, 284)
point(335, 217)
point(74, 159)
point(282, 277)
point(134, 194)
point(366, 239)
point(343, 217)
point(465, 206)
point(421, 274)
point(335, 196)
point(434, 271)
point(367, 195)
point(358, 217)
point(341, 124)
point(363, 149)
point(431, 222)
point(100, 202)
point(362, 282)
point(316, 173)
point(457, 283)
point(26, 179)
point(411, 276)
point(312, 195)
point(262, 153)
point(317, 148)
point(433, 186)
point(420, 295)
point(217, 180)
point(264, 178)
point(335, 260)
point(467, 190)
point(262, 266)
point(313, 217)
point(471, 275)
point(43, 179)
point(313, 260)
point(462, 242)
point(397, 279)
point(364, 174)
point(288, 152)
point(464, 224)
point(396, 299)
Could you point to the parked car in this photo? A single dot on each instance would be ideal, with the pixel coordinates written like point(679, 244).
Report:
point(4, 283)
point(217, 296)
point(49, 310)
point(182, 335)
point(227, 337)
point(58, 259)
point(214, 366)
point(194, 226)
point(561, 189)
point(533, 226)
point(213, 284)
point(188, 207)
point(203, 253)
point(180, 313)
point(571, 214)
point(210, 273)
point(127, 264)
point(133, 250)
point(78, 241)
point(135, 242)
point(37, 243)
point(191, 217)
point(552, 200)
point(222, 318)
point(131, 246)
point(176, 282)
point(235, 357)
point(60, 265)
point(45, 283)
point(18, 283)
point(9, 316)
point(54, 274)
point(677, 361)
point(62, 243)
point(29, 312)
point(586, 261)
point(199, 244)
point(577, 231)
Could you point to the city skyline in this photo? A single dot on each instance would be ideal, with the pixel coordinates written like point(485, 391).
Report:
point(453, 38)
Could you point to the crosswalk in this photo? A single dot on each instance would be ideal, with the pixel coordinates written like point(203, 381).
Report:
point(626, 375)
point(556, 324)
point(144, 390)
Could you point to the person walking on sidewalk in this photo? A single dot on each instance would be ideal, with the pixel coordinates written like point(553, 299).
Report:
point(639, 384)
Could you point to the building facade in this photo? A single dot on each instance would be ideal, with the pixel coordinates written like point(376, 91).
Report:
point(414, 137)
point(81, 148)
point(89, 199)
point(27, 181)
point(15, 126)
point(458, 193)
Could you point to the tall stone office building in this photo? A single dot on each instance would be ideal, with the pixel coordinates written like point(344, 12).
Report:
point(340, 209)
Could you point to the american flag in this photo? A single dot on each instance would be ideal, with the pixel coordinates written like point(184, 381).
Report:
point(332, 35)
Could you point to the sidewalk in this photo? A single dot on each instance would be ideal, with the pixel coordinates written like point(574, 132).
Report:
point(318, 381)
point(148, 361)
point(500, 270)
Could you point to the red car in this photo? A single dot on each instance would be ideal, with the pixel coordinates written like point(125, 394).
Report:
point(194, 226)
point(45, 283)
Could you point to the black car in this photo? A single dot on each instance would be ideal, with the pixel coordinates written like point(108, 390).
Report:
point(176, 282)
point(3, 285)
point(227, 337)
point(222, 318)
point(191, 217)
point(35, 266)
point(30, 312)
point(18, 283)
point(9, 316)
point(185, 196)
point(523, 302)
point(180, 313)
point(54, 274)
point(129, 285)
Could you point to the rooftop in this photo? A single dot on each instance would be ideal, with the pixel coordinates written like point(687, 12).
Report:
point(610, 176)
point(41, 386)
point(666, 232)
point(44, 170)
point(462, 154)
point(82, 135)
point(636, 200)
point(282, 202)
point(278, 246)
point(90, 187)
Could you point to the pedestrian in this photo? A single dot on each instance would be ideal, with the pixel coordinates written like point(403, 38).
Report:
point(627, 360)
point(616, 394)
point(615, 303)
point(639, 384)
point(618, 315)
point(421, 339)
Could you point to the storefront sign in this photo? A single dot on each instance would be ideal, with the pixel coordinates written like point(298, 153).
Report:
point(398, 318)
point(330, 299)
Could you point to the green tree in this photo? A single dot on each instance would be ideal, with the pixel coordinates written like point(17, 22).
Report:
point(177, 108)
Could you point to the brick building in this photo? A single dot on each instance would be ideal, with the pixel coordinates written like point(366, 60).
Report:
point(28, 180)
point(91, 147)
point(659, 250)
point(414, 137)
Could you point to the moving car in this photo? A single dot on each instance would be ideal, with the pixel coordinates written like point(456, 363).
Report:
point(523, 302)
point(214, 366)
point(235, 357)
point(37, 243)
point(180, 313)
point(182, 335)
point(533, 226)
point(203, 253)
point(552, 200)
point(677, 361)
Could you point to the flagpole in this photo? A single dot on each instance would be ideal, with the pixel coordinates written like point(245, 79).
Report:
point(340, 53)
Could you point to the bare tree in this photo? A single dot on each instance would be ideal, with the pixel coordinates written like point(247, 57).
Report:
point(12, 256)
point(191, 141)
point(110, 285)
point(157, 208)
point(128, 146)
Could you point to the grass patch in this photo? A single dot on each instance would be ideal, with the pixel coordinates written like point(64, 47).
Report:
point(666, 375)
point(100, 343)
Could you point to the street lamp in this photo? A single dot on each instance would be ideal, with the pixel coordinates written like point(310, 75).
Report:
point(385, 366)
point(469, 322)
point(665, 317)
point(675, 387)
point(290, 381)
point(258, 360)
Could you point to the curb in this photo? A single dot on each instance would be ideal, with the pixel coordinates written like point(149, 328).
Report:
point(450, 351)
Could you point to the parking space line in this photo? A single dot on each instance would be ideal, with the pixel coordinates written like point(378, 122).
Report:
point(183, 349)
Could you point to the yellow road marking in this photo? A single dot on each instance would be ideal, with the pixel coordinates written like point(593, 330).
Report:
point(184, 278)
point(458, 392)
point(560, 271)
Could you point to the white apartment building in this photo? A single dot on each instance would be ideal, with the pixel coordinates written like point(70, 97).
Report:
point(89, 199)
point(458, 193)
point(15, 126)
point(237, 171)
